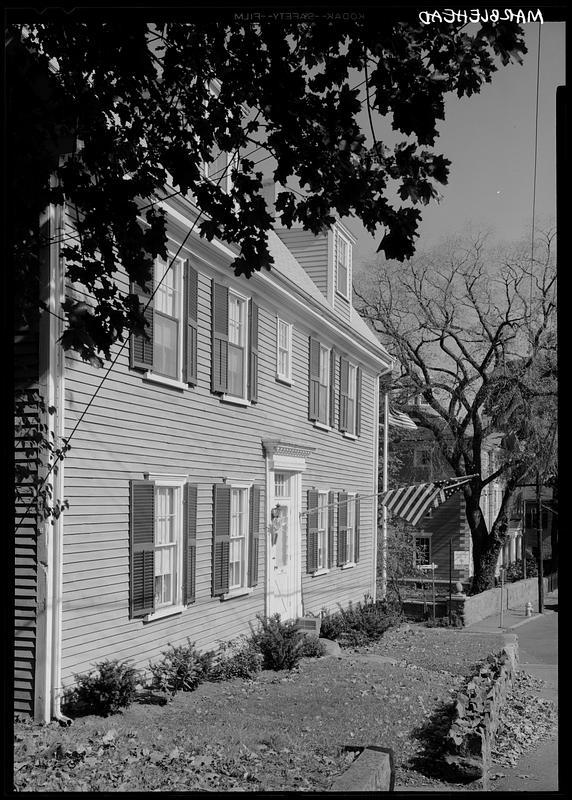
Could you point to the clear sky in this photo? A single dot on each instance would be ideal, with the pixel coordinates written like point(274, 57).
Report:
point(489, 138)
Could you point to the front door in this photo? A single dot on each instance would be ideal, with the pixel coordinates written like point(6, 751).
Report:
point(284, 582)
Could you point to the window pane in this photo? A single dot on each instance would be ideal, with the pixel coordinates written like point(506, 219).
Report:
point(167, 281)
point(236, 320)
point(166, 345)
point(235, 370)
point(165, 515)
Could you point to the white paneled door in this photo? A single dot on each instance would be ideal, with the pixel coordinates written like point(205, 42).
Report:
point(284, 550)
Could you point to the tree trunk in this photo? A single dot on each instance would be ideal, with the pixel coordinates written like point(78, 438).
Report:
point(486, 546)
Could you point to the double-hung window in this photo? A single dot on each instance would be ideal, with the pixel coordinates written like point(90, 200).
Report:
point(350, 397)
point(343, 265)
point(234, 346)
point(422, 550)
point(283, 351)
point(167, 351)
point(348, 529)
point(323, 530)
point(236, 532)
point(320, 531)
point(167, 342)
point(238, 538)
point(162, 545)
point(321, 383)
point(237, 344)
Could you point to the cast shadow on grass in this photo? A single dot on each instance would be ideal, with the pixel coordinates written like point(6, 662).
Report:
point(432, 735)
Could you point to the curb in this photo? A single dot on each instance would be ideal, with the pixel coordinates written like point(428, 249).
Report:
point(372, 771)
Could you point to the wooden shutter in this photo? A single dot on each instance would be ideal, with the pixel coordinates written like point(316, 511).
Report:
point(253, 535)
point(358, 401)
point(342, 528)
point(357, 528)
point(190, 325)
point(253, 352)
point(189, 542)
point(332, 388)
point(142, 547)
point(331, 501)
point(314, 380)
point(344, 393)
point(221, 538)
point(312, 532)
point(141, 345)
point(219, 364)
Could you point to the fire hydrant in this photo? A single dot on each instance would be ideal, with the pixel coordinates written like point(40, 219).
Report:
point(528, 609)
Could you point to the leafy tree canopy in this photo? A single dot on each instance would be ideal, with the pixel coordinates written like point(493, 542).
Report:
point(140, 99)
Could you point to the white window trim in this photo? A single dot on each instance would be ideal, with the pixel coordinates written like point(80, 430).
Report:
point(231, 398)
point(240, 591)
point(152, 374)
point(352, 563)
point(324, 426)
point(163, 380)
point(176, 481)
point(346, 296)
point(321, 426)
point(279, 377)
point(323, 493)
point(351, 436)
point(321, 571)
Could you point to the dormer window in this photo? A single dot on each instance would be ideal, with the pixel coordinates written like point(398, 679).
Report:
point(343, 265)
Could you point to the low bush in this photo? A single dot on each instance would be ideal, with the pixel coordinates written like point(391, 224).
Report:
point(280, 643)
point(238, 658)
point(105, 690)
point(312, 646)
point(182, 668)
point(361, 623)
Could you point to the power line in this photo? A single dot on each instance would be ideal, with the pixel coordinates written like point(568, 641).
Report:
point(67, 439)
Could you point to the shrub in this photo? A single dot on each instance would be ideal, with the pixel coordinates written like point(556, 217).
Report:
point(361, 623)
point(514, 570)
point(281, 643)
point(112, 686)
point(238, 658)
point(312, 646)
point(182, 668)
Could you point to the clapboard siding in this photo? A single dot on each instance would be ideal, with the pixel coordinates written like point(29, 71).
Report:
point(134, 426)
point(311, 252)
point(26, 366)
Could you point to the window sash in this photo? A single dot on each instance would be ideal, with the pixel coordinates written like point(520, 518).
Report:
point(237, 337)
point(324, 385)
point(350, 530)
point(167, 545)
point(238, 561)
point(323, 514)
point(343, 251)
point(167, 319)
point(351, 398)
point(284, 349)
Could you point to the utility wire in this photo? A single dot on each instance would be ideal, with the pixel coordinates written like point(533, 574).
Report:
point(67, 439)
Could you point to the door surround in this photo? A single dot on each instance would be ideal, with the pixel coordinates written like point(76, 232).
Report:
point(285, 456)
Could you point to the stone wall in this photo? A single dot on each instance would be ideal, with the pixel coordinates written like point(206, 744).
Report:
point(514, 595)
point(477, 713)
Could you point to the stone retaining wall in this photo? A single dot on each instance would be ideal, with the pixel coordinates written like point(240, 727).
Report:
point(479, 606)
point(476, 718)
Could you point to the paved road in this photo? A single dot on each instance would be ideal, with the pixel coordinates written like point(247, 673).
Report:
point(537, 770)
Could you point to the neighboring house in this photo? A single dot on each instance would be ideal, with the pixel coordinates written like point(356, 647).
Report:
point(224, 468)
point(548, 523)
point(443, 536)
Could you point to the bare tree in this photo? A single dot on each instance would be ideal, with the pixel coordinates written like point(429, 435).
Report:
point(473, 331)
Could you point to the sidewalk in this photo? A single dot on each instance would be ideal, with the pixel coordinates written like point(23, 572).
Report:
point(512, 618)
point(537, 770)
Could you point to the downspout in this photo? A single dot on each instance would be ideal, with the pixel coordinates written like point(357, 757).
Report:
point(57, 359)
point(375, 498)
point(384, 489)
